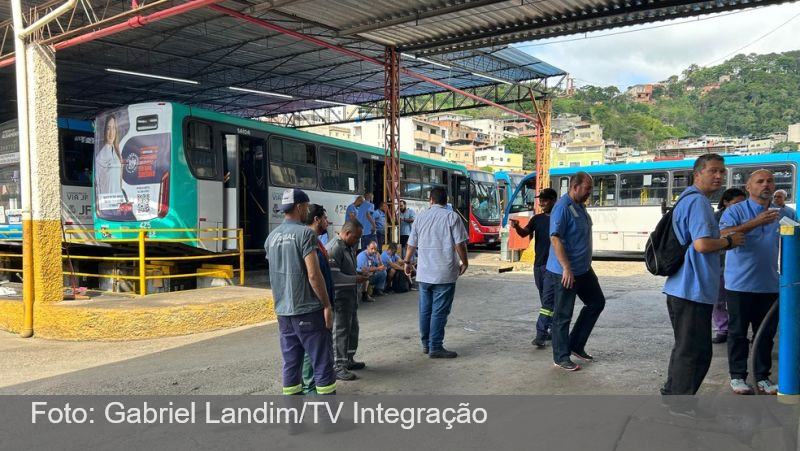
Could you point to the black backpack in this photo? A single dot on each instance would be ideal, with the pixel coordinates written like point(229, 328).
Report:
point(664, 253)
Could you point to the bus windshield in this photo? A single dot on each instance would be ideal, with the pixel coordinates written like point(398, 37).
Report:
point(525, 198)
point(485, 205)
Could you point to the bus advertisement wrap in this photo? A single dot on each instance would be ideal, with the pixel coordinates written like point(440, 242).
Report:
point(131, 169)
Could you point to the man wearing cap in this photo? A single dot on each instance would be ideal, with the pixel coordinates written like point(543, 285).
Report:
point(539, 227)
point(302, 304)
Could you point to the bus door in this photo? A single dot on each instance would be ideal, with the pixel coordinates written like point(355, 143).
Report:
point(207, 162)
point(460, 190)
point(372, 168)
point(252, 193)
point(231, 182)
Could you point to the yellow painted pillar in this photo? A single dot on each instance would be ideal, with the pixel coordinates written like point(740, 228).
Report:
point(44, 173)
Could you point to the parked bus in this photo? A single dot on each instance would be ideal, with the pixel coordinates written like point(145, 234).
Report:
point(506, 184)
point(171, 166)
point(76, 144)
point(484, 209)
point(627, 200)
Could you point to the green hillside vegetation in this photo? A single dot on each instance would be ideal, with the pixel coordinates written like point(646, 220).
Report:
point(761, 97)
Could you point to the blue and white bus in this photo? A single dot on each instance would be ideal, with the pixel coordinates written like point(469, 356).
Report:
point(76, 145)
point(627, 200)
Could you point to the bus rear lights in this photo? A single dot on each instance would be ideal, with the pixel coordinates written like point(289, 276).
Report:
point(163, 200)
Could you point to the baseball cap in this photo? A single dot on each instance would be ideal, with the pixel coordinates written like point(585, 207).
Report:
point(292, 197)
point(548, 193)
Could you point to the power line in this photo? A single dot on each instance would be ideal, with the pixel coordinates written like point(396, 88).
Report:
point(753, 42)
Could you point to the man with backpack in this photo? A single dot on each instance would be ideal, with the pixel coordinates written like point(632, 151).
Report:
point(692, 290)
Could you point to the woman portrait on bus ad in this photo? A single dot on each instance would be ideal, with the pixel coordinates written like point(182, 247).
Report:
point(108, 166)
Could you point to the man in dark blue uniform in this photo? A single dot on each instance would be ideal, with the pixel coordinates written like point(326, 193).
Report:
point(539, 227)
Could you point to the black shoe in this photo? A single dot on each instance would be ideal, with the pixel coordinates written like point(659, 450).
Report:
point(425, 350)
point(583, 356)
point(353, 365)
point(377, 292)
point(569, 365)
point(548, 337)
point(539, 342)
point(367, 298)
point(443, 354)
point(719, 338)
point(692, 413)
point(343, 374)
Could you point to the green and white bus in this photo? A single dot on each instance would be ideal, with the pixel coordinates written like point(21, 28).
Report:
point(171, 166)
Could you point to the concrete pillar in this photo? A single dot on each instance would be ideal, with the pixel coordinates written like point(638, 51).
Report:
point(45, 180)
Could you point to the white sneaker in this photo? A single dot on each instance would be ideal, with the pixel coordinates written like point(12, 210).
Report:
point(740, 387)
point(766, 387)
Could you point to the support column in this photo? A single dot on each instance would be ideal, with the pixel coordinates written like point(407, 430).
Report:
point(391, 118)
point(44, 173)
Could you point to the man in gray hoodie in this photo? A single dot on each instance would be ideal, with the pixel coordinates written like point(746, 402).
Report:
point(342, 254)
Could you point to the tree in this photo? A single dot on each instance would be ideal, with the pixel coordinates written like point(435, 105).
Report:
point(524, 146)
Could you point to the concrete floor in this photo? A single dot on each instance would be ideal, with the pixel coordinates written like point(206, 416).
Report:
point(491, 327)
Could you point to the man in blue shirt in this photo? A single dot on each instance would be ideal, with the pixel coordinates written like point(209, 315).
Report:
point(693, 290)
point(569, 266)
point(779, 198)
point(380, 224)
point(364, 216)
point(394, 268)
point(369, 264)
point(317, 221)
point(406, 217)
point(351, 214)
point(752, 282)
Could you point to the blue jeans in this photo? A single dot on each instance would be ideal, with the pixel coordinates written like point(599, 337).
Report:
point(586, 287)
point(378, 280)
point(435, 301)
point(546, 296)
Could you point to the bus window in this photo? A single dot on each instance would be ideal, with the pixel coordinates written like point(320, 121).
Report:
point(525, 198)
point(338, 170)
point(410, 190)
point(202, 157)
point(783, 177)
point(642, 189)
point(77, 151)
point(680, 181)
point(432, 175)
point(410, 172)
point(604, 191)
point(563, 186)
point(292, 164)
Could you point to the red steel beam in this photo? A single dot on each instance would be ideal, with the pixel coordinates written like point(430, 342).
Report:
point(321, 43)
point(133, 22)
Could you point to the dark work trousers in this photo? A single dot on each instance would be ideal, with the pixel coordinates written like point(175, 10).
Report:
point(746, 310)
point(587, 288)
point(403, 244)
point(381, 241)
point(345, 330)
point(302, 334)
point(691, 354)
point(546, 293)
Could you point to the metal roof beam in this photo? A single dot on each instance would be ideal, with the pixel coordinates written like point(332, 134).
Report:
point(445, 8)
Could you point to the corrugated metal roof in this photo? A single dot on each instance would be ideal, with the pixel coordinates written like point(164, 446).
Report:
point(218, 51)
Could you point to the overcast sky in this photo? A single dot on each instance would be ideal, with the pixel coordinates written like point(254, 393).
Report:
point(652, 52)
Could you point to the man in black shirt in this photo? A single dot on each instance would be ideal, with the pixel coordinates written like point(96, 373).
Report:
point(539, 227)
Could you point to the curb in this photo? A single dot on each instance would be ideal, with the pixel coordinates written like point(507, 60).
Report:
point(124, 320)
